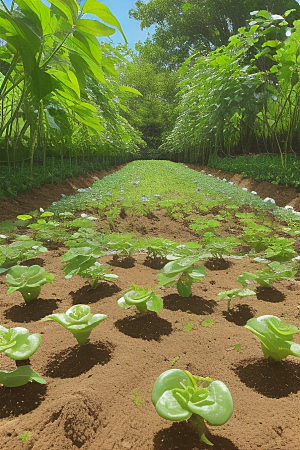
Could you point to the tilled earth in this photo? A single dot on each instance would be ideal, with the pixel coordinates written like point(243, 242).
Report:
point(99, 396)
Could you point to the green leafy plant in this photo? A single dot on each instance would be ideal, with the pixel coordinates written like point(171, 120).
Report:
point(79, 320)
point(174, 361)
point(98, 272)
point(137, 401)
point(25, 437)
point(274, 272)
point(142, 298)
point(24, 247)
point(236, 292)
point(182, 274)
point(189, 326)
point(18, 344)
point(28, 281)
point(79, 259)
point(219, 247)
point(276, 337)
point(280, 249)
point(178, 395)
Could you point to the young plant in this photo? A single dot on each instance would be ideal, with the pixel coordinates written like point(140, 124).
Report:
point(22, 248)
point(274, 272)
point(237, 292)
point(178, 395)
point(96, 273)
point(79, 320)
point(79, 259)
point(219, 247)
point(182, 274)
point(280, 249)
point(276, 337)
point(142, 298)
point(18, 344)
point(28, 281)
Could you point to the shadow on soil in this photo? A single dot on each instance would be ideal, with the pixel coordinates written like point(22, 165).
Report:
point(269, 294)
point(33, 262)
point(29, 312)
point(272, 379)
point(87, 295)
point(149, 327)
point(179, 436)
point(239, 314)
point(193, 304)
point(126, 262)
point(75, 361)
point(217, 264)
point(21, 400)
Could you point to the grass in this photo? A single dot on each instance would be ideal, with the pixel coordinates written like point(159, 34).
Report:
point(262, 167)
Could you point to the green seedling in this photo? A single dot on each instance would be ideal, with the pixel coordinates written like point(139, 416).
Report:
point(274, 272)
point(219, 247)
point(237, 347)
point(21, 249)
point(207, 323)
point(276, 337)
point(25, 437)
point(137, 401)
point(79, 259)
point(178, 395)
point(182, 274)
point(280, 249)
point(96, 273)
point(236, 292)
point(142, 298)
point(28, 281)
point(79, 320)
point(18, 344)
point(174, 361)
point(189, 326)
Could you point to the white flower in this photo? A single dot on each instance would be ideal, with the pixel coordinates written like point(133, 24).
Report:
point(231, 182)
point(269, 199)
point(296, 212)
point(224, 179)
point(209, 175)
point(41, 210)
point(253, 192)
point(2, 236)
point(35, 247)
point(288, 207)
point(92, 218)
point(244, 189)
point(83, 215)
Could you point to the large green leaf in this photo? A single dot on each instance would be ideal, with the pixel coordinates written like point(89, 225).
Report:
point(85, 65)
point(68, 84)
point(36, 11)
point(20, 376)
point(94, 27)
point(103, 12)
point(87, 116)
point(68, 7)
point(85, 44)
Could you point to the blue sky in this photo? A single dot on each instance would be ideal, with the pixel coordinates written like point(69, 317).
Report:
point(130, 27)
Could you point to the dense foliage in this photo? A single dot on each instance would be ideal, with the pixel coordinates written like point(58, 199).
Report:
point(58, 91)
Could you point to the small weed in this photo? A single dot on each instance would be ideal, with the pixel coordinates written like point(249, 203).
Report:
point(25, 437)
point(237, 347)
point(207, 323)
point(174, 361)
point(188, 327)
point(137, 401)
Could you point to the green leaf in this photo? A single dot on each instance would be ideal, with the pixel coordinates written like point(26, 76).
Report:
point(94, 27)
point(68, 84)
point(20, 376)
point(130, 89)
point(103, 12)
point(37, 12)
point(68, 7)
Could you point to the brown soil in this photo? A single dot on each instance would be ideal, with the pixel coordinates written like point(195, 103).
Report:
point(99, 396)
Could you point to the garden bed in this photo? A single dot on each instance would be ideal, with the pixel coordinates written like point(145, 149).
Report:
point(99, 395)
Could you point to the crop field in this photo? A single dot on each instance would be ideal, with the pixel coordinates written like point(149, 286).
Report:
point(156, 267)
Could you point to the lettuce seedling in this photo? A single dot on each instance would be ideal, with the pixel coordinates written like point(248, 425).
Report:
point(237, 292)
point(274, 272)
point(182, 273)
point(276, 337)
point(142, 298)
point(28, 281)
point(22, 248)
point(79, 320)
point(18, 344)
point(178, 395)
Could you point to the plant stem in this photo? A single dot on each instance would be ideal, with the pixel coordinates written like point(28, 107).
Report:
point(198, 424)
